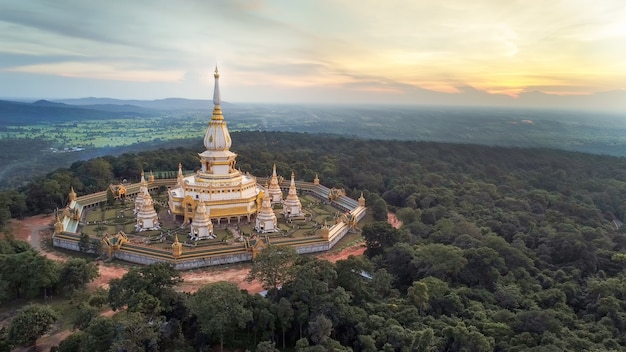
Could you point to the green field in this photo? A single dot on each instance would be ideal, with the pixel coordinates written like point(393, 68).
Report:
point(33, 147)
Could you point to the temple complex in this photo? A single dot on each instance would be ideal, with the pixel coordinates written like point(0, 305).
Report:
point(220, 214)
point(227, 193)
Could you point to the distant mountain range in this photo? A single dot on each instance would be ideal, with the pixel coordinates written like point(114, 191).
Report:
point(159, 104)
point(614, 101)
point(19, 113)
point(24, 113)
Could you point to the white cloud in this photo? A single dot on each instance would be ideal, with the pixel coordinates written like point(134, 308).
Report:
point(497, 46)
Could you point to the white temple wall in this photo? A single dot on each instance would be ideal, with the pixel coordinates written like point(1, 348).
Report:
point(67, 244)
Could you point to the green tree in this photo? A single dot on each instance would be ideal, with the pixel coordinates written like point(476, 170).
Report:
point(285, 314)
point(379, 210)
point(354, 274)
point(31, 323)
point(484, 266)
point(144, 289)
point(86, 314)
point(5, 211)
point(100, 335)
point(418, 294)
point(219, 308)
point(264, 319)
point(135, 332)
point(378, 236)
point(28, 272)
point(267, 346)
point(110, 196)
point(44, 274)
point(76, 273)
point(319, 329)
point(439, 260)
point(73, 343)
point(14, 271)
point(273, 266)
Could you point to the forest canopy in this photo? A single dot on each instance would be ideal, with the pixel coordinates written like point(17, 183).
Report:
point(501, 249)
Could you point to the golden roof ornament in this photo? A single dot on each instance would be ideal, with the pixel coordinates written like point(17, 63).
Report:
point(72, 195)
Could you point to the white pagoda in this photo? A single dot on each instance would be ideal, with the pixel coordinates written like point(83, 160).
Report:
point(201, 226)
point(274, 191)
point(292, 206)
point(147, 218)
point(266, 219)
point(228, 194)
point(143, 189)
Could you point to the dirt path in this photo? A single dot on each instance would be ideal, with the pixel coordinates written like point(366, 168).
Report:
point(394, 221)
point(33, 230)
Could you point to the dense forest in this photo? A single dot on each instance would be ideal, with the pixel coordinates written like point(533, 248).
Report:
point(502, 249)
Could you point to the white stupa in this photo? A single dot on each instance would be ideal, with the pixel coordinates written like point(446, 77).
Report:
point(266, 219)
point(292, 206)
point(201, 225)
point(229, 194)
point(143, 189)
point(274, 192)
point(147, 218)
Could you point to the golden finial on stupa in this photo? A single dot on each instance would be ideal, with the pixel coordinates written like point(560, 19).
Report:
point(177, 247)
point(72, 195)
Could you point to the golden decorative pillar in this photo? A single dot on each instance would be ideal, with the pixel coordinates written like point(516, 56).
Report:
point(58, 226)
point(362, 200)
point(325, 231)
point(72, 195)
point(177, 248)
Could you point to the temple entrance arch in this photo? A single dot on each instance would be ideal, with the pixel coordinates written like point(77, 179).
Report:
point(189, 208)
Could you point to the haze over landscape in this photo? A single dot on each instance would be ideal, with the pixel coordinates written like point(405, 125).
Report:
point(493, 53)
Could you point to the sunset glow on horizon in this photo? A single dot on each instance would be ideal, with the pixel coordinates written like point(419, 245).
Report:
point(322, 51)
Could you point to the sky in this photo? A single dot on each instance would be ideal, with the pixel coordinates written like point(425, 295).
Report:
point(489, 52)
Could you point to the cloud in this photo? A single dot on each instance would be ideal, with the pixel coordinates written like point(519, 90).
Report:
point(391, 48)
point(100, 71)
